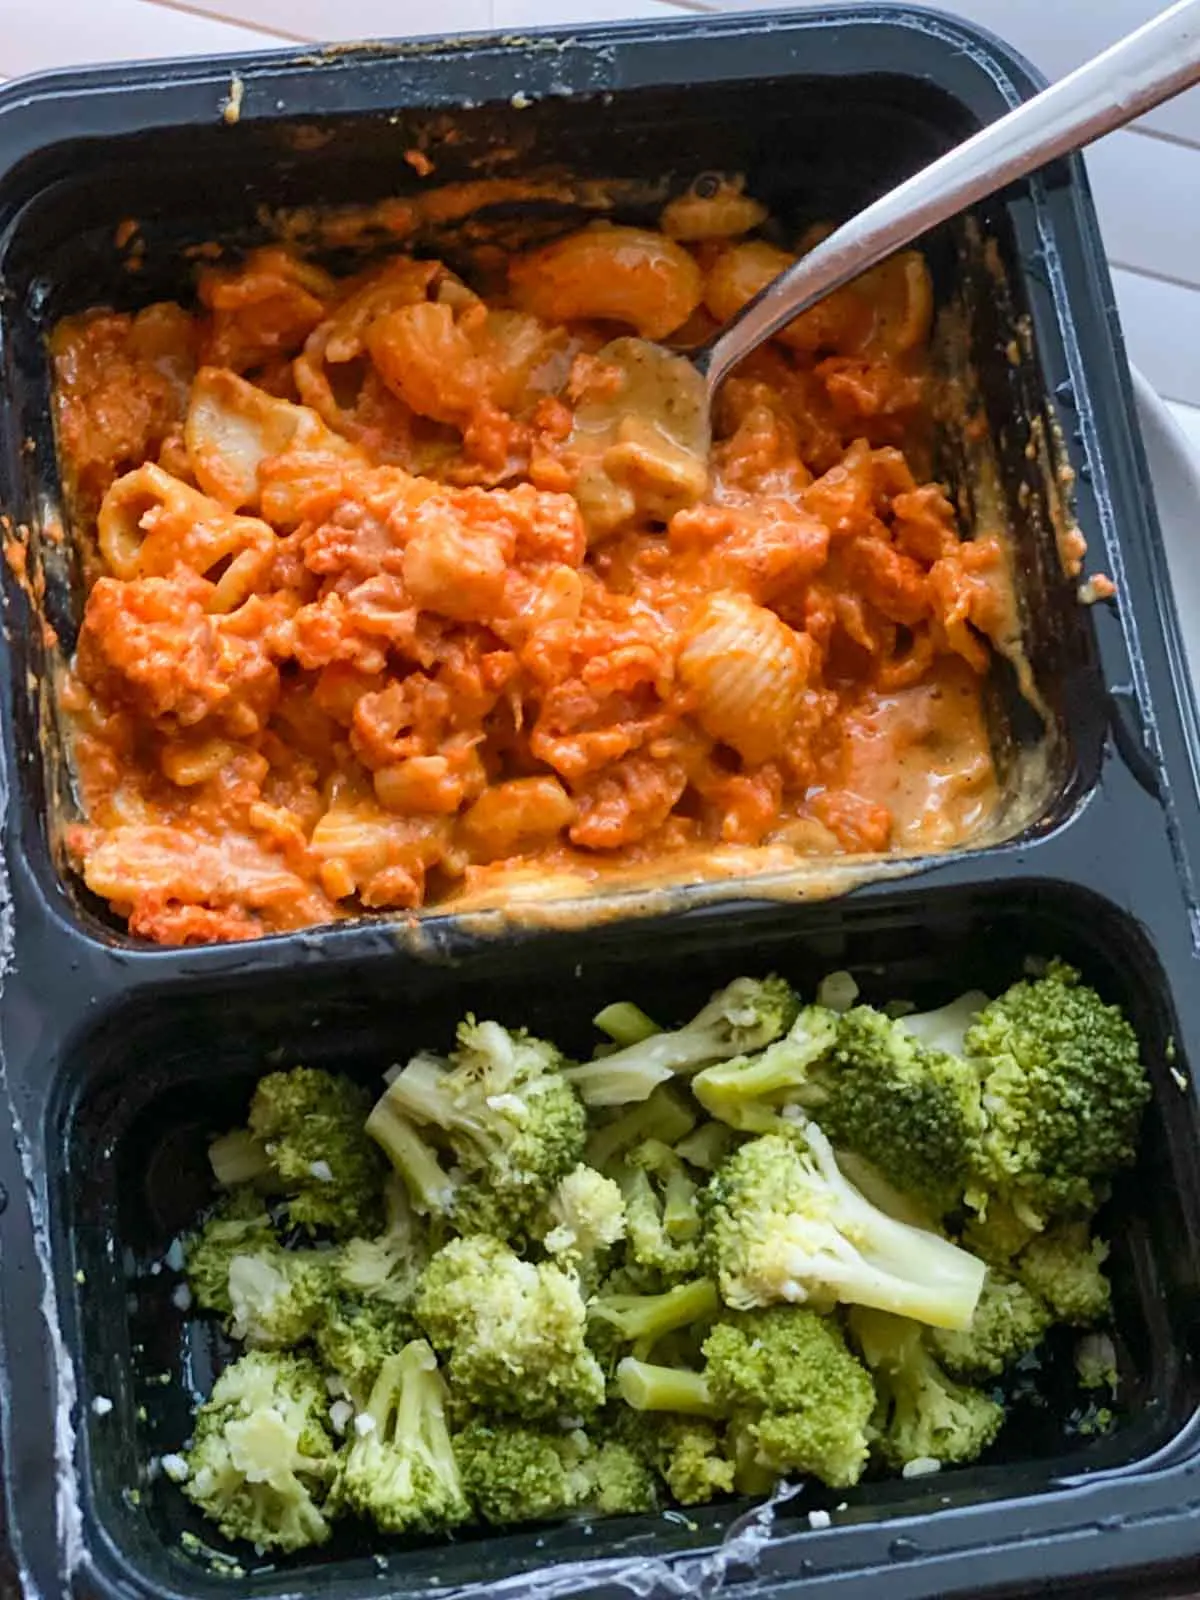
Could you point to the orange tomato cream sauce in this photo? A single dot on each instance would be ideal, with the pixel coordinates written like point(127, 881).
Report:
point(352, 640)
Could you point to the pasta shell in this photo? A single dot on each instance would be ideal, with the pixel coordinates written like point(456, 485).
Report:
point(747, 670)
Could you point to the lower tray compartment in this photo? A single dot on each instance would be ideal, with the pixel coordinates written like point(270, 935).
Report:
point(136, 1100)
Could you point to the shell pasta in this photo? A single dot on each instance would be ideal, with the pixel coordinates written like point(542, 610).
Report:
point(349, 643)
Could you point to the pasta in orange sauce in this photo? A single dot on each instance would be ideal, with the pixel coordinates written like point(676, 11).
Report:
point(346, 644)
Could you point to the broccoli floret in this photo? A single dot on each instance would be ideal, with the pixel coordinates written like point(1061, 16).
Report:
point(513, 1334)
point(668, 1115)
point(513, 1472)
point(277, 1296)
point(1009, 1322)
point(662, 1215)
point(921, 1415)
point(517, 1473)
point(688, 1453)
point(996, 1235)
point(356, 1336)
point(262, 1459)
point(237, 1225)
point(400, 1469)
point(911, 1110)
point(503, 1105)
point(746, 1015)
point(747, 1091)
point(1063, 1093)
point(586, 1213)
point(691, 1457)
point(306, 1133)
point(1066, 1268)
point(373, 1286)
point(784, 1224)
point(799, 1396)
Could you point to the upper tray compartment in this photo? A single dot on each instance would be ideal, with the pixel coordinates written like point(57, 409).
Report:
point(818, 118)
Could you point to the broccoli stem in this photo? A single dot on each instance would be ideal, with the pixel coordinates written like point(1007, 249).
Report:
point(681, 1219)
point(238, 1157)
point(730, 1089)
point(666, 1115)
point(625, 1023)
point(650, 1316)
point(429, 1187)
point(707, 1147)
point(647, 1387)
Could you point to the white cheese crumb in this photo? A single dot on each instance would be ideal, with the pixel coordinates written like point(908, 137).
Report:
point(819, 1519)
point(321, 1171)
point(920, 1467)
point(1179, 1079)
point(101, 1405)
point(181, 1297)
point(174, 1255)
point(340, 1413)
point(520, 100)
point(506, 1102)
point(364, 1423)
point(336, 1385)
point(176, 1468)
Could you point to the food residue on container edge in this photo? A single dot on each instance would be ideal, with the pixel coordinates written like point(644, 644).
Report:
point(1098, 587)
point(231, 106)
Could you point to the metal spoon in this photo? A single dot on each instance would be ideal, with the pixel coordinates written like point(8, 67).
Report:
point(650, 432)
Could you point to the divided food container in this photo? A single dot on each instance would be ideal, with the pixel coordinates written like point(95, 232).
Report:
point(121, 1060)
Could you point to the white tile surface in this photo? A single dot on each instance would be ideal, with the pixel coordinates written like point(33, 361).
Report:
point(39, 35)
point(1162, 331)
point(1142, 188)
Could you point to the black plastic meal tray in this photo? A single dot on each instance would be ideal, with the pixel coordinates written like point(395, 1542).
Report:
point(121, 1060)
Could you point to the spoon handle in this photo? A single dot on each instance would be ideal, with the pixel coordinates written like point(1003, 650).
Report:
point(1147, 67)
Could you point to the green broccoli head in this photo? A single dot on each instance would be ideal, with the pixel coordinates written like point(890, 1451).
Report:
point(921, 1413)
point(355, 1336)
point(306, 1136)
point(1063, 1093)
point(744, 1016)
point(502, 1105)
point(997, 1233)
point(517, 1473)
point(262, 1458)
point(277, 1296)
point(1009, 1322)
point(1065, 1266)
point(690, 1454)
point(912, 1111)
point(400, 1469)
point(748, 1091)
point(784, 1224)
point(237, 1225)
point(662, 1214)
point(513, 1334)
point(799, 1395)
